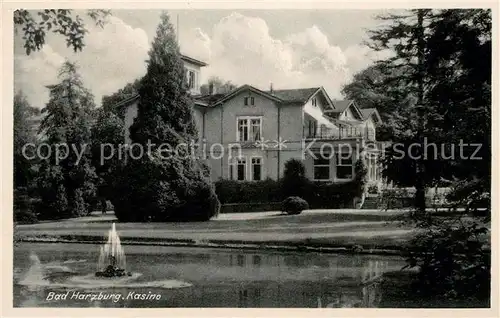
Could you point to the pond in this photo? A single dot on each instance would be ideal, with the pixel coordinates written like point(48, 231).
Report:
point(63, 275)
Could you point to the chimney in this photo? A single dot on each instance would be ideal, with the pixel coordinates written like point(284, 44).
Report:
point(271, 88)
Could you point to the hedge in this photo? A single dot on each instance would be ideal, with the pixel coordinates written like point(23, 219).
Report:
point(249, 207)
point(254, 195)
point(232, 191)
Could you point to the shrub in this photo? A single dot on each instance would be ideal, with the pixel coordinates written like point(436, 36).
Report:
point(294, 205)
point(232, 191)
point(453, 253)
point(321, 195)
point(161, 191)
point(373, 189)
point(396, 198)
point(294, 181)
point(23, 207)
point(250, 207)
point(360, 178)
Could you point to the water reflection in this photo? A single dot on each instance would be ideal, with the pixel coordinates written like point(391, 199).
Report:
point(220, 278)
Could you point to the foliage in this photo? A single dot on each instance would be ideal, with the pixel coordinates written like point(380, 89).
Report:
point(24, 168)
point(66, 186)
point(373, 189)
point(294, 181)
point(107, 136)
point(250, 207)
point(23, 208)
point(452, 83)
point(232, 191)
point(36, 24)
point(396, 198)
point(320, 195)
point(456, 95)
point(218, 86)
point(360, 177)
point(294, 205)
point(109, 102)
point(159, 187)
point(53, 202)
point(453, 256)
point(323, 195)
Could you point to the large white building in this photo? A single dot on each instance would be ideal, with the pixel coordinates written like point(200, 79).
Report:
point(251, 133)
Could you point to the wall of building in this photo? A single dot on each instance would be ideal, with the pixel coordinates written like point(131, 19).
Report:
point(198, 119)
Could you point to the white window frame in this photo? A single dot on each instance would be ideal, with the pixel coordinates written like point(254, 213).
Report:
point(245, 165)
point(261, 164)
point(194, 79)
point(248, 120)
point(338, 163)
point(314, 101)
point(318, 155)
point(231, 164)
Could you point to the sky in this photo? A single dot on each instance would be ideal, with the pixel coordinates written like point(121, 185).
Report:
point(288, 48)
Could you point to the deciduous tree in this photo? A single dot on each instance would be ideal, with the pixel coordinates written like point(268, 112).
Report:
point(37, 23)
point(67, 121)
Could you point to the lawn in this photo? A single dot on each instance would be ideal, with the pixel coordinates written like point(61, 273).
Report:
point(369, 229)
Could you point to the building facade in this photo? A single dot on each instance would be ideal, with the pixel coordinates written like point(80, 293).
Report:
point(249, 134)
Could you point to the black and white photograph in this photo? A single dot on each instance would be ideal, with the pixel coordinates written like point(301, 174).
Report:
point(251, 158)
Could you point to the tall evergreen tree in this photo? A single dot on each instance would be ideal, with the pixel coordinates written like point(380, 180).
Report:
point(24, 167)
point(405, 36)
point(107, 136)
point(454, 83)
point(161, 187)
point(68, 121)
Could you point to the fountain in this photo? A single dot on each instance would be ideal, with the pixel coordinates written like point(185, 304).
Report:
point(112, 257)
point(35, 273)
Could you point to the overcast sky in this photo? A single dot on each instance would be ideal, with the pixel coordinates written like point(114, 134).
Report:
point(288, 48)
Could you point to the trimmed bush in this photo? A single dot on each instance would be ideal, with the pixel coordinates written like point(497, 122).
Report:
point(250, 207)
point(232, 191)
point(319, 195)
point(294, 205)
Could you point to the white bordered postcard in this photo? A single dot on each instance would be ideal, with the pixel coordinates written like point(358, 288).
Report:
point(260, 159)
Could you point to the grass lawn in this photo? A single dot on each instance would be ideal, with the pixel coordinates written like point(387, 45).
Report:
point(330, 228)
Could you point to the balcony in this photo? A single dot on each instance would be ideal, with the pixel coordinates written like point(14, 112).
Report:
point(343, 133)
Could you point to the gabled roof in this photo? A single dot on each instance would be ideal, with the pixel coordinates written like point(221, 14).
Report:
point(209, 98)
point(134, 98)
point(193, 60)
point(299, 95)
point(127, 101)
point(367, 112)
point(341, 105)
point(250, 88)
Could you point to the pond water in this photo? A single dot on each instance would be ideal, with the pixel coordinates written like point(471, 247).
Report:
point(63, 275)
